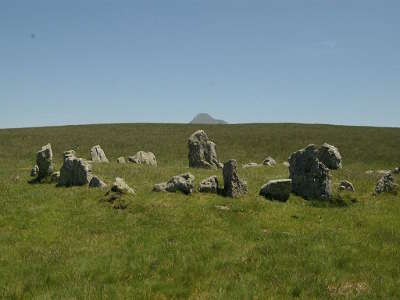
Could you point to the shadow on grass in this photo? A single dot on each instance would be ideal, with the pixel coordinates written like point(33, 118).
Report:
point(338, 200)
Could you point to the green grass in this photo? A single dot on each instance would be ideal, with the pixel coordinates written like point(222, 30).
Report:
point(64, 243)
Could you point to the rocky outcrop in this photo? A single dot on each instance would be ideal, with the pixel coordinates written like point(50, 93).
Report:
point(74, 171)
point(44, 161)
point(97, 154)
point(233, 185)
point(202, 151)
point(183, 182)
point(386, 185)
point(209, 185)
point(277, 189)
point(146, 158)
point(310, 171)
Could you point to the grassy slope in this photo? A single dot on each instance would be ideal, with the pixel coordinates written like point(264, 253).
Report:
point(64, 243)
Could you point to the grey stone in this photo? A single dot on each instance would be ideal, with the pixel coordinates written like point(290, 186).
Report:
point(277, 189)
point(74, 171)
point(383, 172)
point(330, 156)
point(97, 154)
point(233, 186)
point(96, 182)
point(121, 160)
point(44, 161)
point(311, 179)
point(386, 184)
point(35, 171)
point(141, 157)
point(286, 164)
point(209, 185)
point(182, 182)
point(346, 185)
point(269, 161)
point(251, 165)
point(396, 170)
point(369, 172)
point(120, 186)
point(202, 151)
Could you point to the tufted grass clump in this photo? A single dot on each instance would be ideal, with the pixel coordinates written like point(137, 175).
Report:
point(66, 243)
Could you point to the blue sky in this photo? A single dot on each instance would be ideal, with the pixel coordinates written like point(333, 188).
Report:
point(315, 61)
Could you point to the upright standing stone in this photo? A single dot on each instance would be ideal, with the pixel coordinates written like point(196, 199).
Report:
point(233, 186)
point(74, 171)
point(386, 184)
point(202, 151)
point(98, 154)
point(44, 161)
point(311, 179)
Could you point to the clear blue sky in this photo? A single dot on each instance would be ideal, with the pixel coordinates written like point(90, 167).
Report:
point(86, 61)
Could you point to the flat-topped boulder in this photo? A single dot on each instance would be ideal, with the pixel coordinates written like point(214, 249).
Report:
point(277, 189)
point(183, 182)
point(209, 185)
point(44, 162)
point(74, 171)
point(202, 151)
point(97, 154)
point(233, 185)
point(145, 158)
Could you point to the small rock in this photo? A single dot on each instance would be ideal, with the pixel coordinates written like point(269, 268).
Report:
point(160, 187)
point(286, 164)
point(120, 186)
point(222, 207)
point(269, 161)
point(251, 165)
point(386, 184)
point(121, 160)
point(209, 185)
point(233, 186)
point(98, 154)
point(346, 185)
point(141, 157)
point(277, 189)
point(396, 170)
point(369, 172)
point(96, 182)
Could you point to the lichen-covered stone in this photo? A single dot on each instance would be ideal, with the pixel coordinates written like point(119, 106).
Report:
point(233, 185)
point(97, 154)
point(209, 185)
point(141, 157)
point(202, 151)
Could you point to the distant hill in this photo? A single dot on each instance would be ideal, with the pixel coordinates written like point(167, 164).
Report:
point(204, 118)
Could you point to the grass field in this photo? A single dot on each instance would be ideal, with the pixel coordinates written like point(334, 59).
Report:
point(63, 243)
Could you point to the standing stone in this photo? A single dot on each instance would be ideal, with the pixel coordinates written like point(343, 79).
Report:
point(35, 171)
point(209, 185)
point(346, 185)
point(386, 184)
point(98, 154)
point(233, 186)
point(44, 161)
point(121, 160)
point(141, 157)
point(269, 161)
point(96, 182)
point(311, 179)
point(74, 171)
point(330, 156)
point(202, 151)
point(277, 189)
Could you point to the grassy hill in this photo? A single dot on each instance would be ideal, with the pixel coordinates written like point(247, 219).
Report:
point(65, 243)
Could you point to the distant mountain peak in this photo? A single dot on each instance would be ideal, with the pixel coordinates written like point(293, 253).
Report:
point(204, 118)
